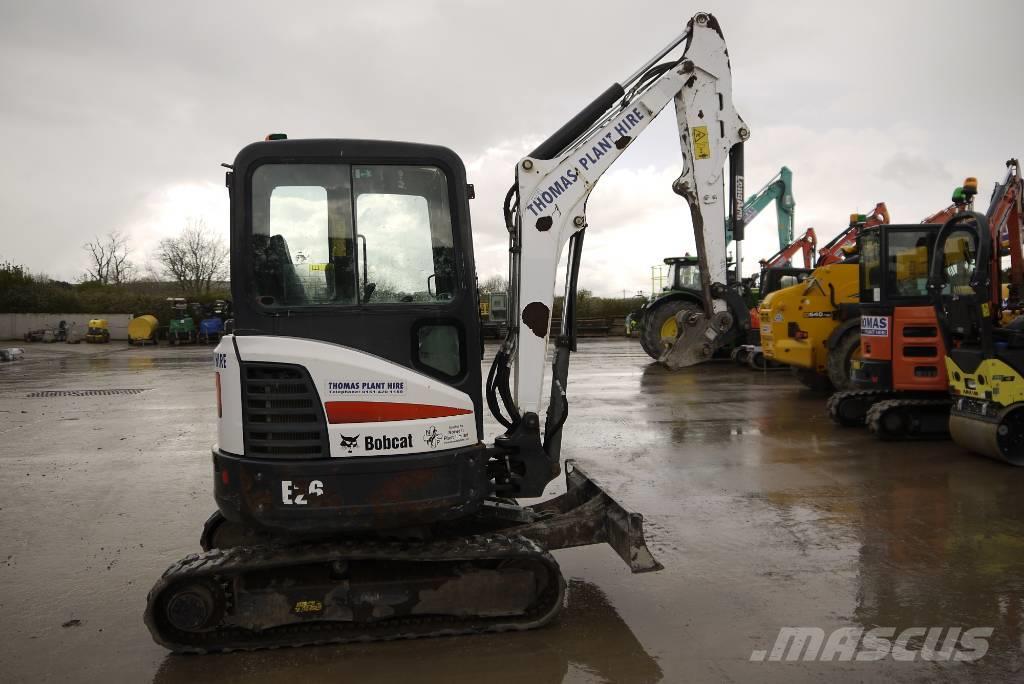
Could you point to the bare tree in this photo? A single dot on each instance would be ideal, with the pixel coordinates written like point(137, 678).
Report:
point(108, 259)
point(495, 283)
point(194, 259)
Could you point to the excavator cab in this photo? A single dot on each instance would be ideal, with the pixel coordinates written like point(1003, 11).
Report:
point(901, 348)
point(365, 246)
point(780, 277)
point(371, 249)
point(684, 272)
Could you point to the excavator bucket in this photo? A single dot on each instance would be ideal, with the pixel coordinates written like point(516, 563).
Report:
point(586, 514)
point(698, 338)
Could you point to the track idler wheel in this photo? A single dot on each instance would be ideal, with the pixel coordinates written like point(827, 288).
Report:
point(193, 606)
point(850, 408)
point(894, 424)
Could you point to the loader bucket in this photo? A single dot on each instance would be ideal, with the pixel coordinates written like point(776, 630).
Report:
point(586, 514)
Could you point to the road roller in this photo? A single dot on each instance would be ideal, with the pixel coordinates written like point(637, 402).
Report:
point(985, 361)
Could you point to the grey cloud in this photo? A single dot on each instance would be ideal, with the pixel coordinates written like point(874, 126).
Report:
point(105, 106)
point(913, 171)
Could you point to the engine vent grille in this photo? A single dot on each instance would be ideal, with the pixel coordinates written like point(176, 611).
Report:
point(282, 412)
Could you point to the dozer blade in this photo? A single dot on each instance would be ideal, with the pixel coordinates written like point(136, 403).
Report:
point(586, 514)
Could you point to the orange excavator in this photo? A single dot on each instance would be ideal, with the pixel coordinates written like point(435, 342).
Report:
point(805, 245)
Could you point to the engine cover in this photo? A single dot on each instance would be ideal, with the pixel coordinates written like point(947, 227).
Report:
point(366, 405)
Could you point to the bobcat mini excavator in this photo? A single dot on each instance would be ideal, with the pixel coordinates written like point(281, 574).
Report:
point(357, 499)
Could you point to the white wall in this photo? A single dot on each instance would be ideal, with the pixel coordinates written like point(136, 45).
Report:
point(14, 326)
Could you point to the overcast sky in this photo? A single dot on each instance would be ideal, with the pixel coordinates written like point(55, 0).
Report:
point(116, 115)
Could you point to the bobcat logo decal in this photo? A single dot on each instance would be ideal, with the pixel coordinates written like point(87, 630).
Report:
point(349, 443)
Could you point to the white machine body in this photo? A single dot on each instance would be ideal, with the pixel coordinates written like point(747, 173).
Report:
point(373, 407)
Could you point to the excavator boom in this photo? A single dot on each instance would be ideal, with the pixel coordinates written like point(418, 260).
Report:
point(780, 191)
point(547, 205)
point(835, 250)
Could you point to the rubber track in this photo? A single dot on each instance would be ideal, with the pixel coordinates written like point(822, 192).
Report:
point(837, 398)
point(878, 411)
point(220, 564)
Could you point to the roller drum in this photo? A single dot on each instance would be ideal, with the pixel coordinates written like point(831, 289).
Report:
point(1001, 438)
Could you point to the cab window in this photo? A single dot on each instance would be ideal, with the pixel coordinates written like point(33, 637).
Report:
point(907, 262)
point(347, 235)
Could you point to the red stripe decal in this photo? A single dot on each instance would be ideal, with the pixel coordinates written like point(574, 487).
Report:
point(384, 411)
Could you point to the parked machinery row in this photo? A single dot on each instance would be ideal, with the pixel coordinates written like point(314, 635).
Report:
point(916, 334)
point(213, 320)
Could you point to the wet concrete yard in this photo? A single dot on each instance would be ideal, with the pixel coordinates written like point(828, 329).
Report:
point(764, 514)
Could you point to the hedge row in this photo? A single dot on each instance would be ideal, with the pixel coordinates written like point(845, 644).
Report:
point(21, 293)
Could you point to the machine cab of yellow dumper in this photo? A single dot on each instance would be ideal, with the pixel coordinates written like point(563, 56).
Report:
point(800, 324)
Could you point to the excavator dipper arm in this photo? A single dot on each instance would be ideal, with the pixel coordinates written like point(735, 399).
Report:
point(546, 208)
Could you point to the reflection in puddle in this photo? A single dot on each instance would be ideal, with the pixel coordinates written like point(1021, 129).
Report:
point(936, 542)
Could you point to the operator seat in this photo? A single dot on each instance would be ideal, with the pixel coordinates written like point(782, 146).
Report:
point(275, 273)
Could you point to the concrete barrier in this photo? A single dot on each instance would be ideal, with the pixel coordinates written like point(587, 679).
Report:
point(13, 326)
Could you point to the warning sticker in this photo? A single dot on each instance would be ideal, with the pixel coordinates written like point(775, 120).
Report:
point(701, 144)
point(874, 326)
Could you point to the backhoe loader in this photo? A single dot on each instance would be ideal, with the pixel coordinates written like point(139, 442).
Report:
point(813, 326)
point(357, 498)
